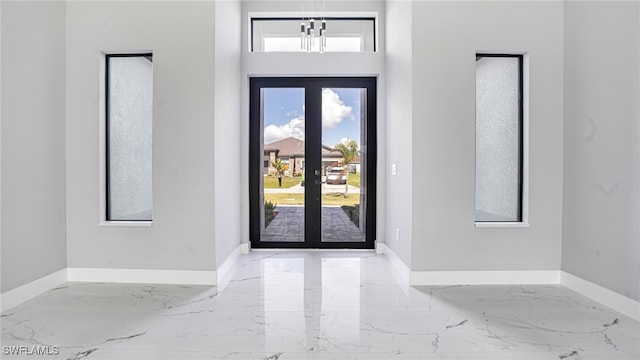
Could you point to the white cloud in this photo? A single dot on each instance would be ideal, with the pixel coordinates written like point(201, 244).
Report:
point(333, 109)
point(294, 128)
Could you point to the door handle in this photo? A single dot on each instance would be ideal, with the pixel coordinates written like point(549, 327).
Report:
point(316, 172)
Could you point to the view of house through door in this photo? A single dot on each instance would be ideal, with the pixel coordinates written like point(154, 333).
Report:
point(312, 162)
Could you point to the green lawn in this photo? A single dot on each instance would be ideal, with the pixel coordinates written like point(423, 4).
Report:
point(327, 199)
point(271, 182)
point(354, 179)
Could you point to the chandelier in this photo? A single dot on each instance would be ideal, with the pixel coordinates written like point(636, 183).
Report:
point(310, 35)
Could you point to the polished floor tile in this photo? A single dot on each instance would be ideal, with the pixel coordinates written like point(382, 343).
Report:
point(316, 305)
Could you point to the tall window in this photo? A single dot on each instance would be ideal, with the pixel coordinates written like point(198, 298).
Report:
point(129, 102)
point(499, 137)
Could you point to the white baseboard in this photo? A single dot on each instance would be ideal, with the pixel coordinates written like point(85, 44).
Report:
point(611, 299)
point(402, 270)
point(425, 278)
point(143, 276)
point(604, 296)
point(245, 248)
point(227, 264)
point(30, 290)
point(379, 247)
point(484, 277)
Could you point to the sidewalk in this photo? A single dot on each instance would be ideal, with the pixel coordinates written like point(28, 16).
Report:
point(326, 188)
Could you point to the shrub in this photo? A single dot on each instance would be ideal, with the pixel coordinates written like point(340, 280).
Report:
point(268, 212)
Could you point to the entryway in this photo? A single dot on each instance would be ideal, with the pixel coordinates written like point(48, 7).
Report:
point(312, 162)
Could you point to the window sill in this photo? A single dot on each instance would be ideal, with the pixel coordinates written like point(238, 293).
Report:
point(126, 223)
point(502, 225)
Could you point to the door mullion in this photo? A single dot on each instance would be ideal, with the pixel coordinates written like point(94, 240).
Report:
point(313, 164)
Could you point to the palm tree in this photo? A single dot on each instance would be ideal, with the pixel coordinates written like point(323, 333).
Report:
point(280, 168)
point(349, 150)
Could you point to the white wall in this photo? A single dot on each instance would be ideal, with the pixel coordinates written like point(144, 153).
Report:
point(398, 127)
point(601, 240)
point(446, 36)
point(33, 148)
point(182, 38)
point(1, 289)
point(314, 64)
point(228, 79)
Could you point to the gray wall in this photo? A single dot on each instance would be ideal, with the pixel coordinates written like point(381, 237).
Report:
point(584, 65)
point(446, 36)
point(602, 158)
point(33, 141)
point(398, 127)
point(228, 190)
point(182, 37)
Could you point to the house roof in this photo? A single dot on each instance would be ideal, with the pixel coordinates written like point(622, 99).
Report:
point(328, 151)
point(290, 147)
point(286, 147)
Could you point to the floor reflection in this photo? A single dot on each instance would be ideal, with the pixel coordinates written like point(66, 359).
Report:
point(341, 279)
point(304, 299)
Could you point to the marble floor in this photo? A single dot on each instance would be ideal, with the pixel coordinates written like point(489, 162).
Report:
point(316, 305)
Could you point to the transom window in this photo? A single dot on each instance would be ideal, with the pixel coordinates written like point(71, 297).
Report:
point(283, 35)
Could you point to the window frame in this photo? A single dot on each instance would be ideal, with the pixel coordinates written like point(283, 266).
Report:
point(107, 136)
point(300, 18)
point(521, 220)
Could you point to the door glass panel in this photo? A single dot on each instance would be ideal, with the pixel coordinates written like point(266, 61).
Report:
point(343, 194)
point(283, 148)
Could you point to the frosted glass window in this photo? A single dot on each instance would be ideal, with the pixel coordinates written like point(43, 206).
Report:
point(498, 194)
point(129, 112)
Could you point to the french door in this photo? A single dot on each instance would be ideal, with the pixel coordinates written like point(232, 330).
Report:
point(312, 158)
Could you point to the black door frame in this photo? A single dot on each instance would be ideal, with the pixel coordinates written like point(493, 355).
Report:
point(313, 125)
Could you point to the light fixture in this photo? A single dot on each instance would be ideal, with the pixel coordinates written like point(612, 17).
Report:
point(308, 33)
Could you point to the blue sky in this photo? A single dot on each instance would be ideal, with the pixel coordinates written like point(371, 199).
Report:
point(284, 114)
